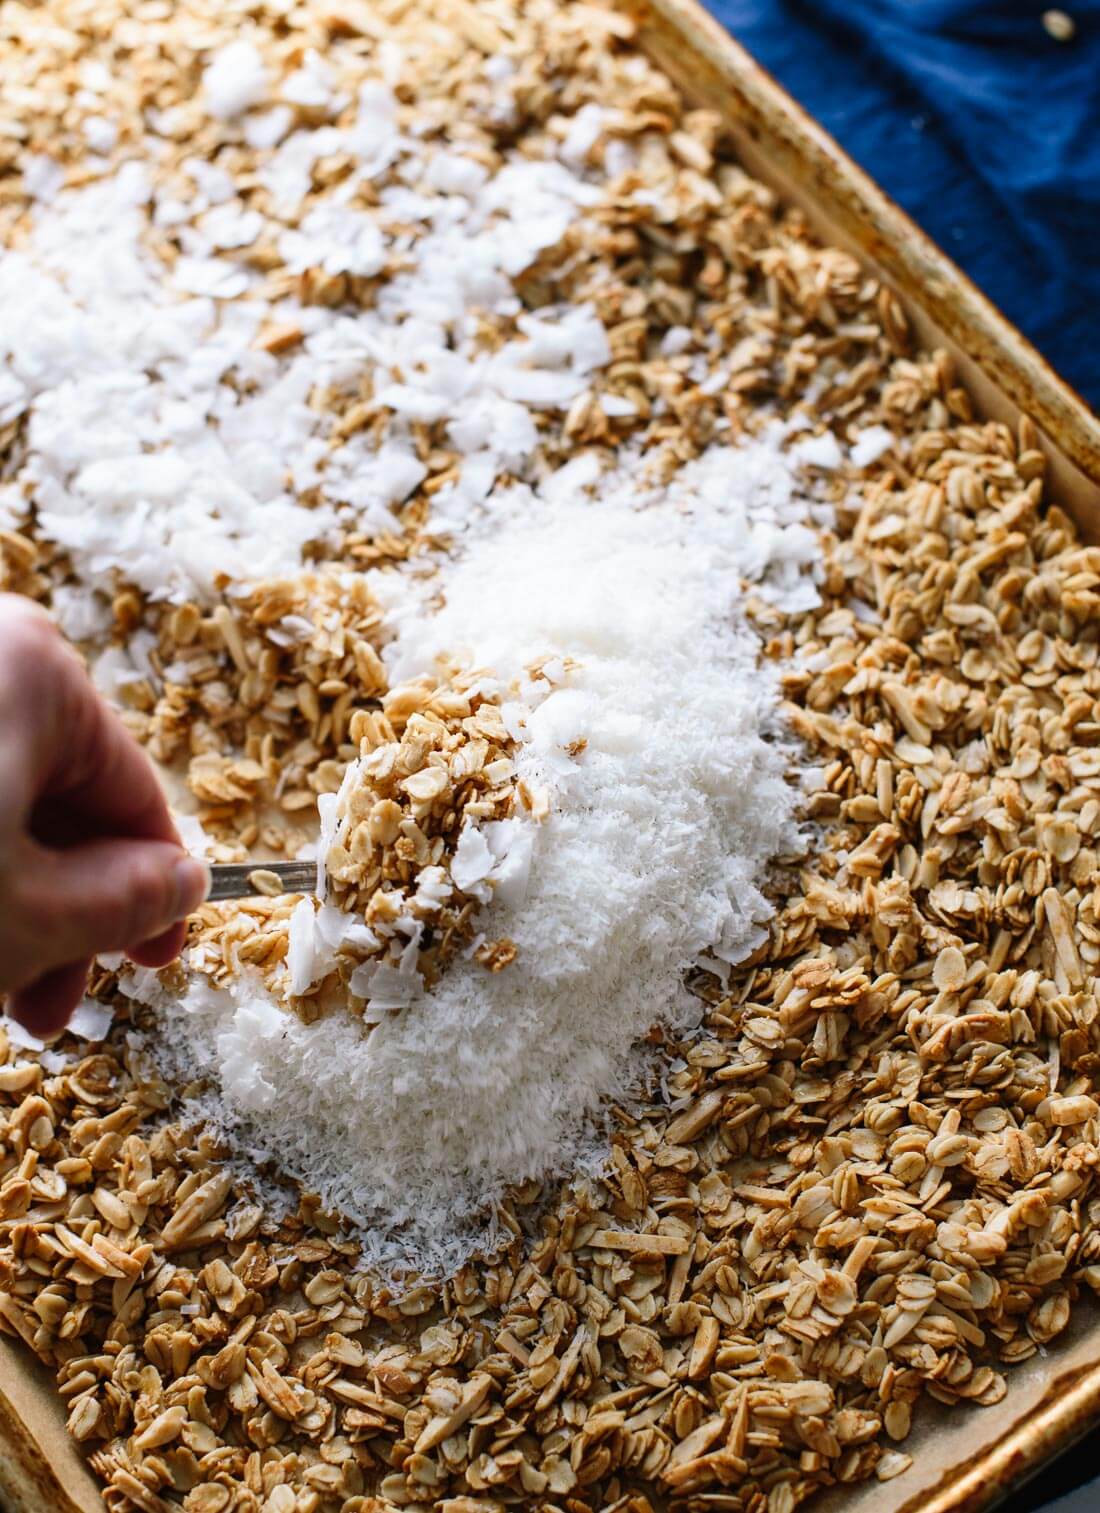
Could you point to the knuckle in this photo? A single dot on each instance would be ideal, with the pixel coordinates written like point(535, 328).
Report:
point(31, 899)
point(115, 917)
point(28, 631)
point(32, 656)
point(32, 935)
point(148, 900)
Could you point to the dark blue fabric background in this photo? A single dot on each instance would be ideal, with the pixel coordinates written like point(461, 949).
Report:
point(987, 131)
point(983, 127)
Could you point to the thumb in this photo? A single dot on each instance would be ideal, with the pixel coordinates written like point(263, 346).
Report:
point(46, 1006)
point(105, 895)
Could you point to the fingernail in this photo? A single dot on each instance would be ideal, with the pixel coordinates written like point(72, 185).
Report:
point(192, 878)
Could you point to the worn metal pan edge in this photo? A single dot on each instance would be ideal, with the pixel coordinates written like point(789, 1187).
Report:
point(40, 1467)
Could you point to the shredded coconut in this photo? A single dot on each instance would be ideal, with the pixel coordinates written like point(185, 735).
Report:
point(869, 445)
point(166, 444)
point(643, 711)
point(19, 1037)
point(234, 80)
point(91, 1020)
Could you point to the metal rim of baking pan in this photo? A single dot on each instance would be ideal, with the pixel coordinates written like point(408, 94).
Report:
point(780, 143)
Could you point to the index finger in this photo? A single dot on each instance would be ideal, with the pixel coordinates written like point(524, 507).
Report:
point(76, 749)
point(105, 774)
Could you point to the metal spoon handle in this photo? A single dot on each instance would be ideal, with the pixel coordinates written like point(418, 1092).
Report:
point(234, 879)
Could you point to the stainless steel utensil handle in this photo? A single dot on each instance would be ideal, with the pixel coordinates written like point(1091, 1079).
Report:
point(231, 879)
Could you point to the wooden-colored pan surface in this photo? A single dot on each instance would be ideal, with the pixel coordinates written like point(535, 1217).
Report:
point(966, 1460)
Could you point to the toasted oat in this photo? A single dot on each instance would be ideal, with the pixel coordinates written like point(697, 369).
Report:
point(1059, 25)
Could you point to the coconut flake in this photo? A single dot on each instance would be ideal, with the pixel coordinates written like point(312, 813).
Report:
point(19, 1037)
point(869, 445)
point(91, 1020)
point(302, 957)
point(234, 80)
point(472, 862)
point(819, 451)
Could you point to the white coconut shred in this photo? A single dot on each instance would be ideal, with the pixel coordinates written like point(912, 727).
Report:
point(652, 729)
point(165, 443)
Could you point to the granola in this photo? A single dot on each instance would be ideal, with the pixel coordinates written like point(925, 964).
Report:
point(871, 1177)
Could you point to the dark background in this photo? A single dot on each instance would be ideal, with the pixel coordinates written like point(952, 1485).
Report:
point(987, 131)
point(982, 126)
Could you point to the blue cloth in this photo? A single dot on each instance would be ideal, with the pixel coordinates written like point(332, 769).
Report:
point(983, 127)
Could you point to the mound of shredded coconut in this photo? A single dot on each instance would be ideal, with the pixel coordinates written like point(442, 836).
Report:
point(645, 717)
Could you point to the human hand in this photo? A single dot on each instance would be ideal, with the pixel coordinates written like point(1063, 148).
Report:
point(90, 860)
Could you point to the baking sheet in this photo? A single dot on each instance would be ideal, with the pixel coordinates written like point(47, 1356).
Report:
point(966, 1458)
point(41, 1470)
